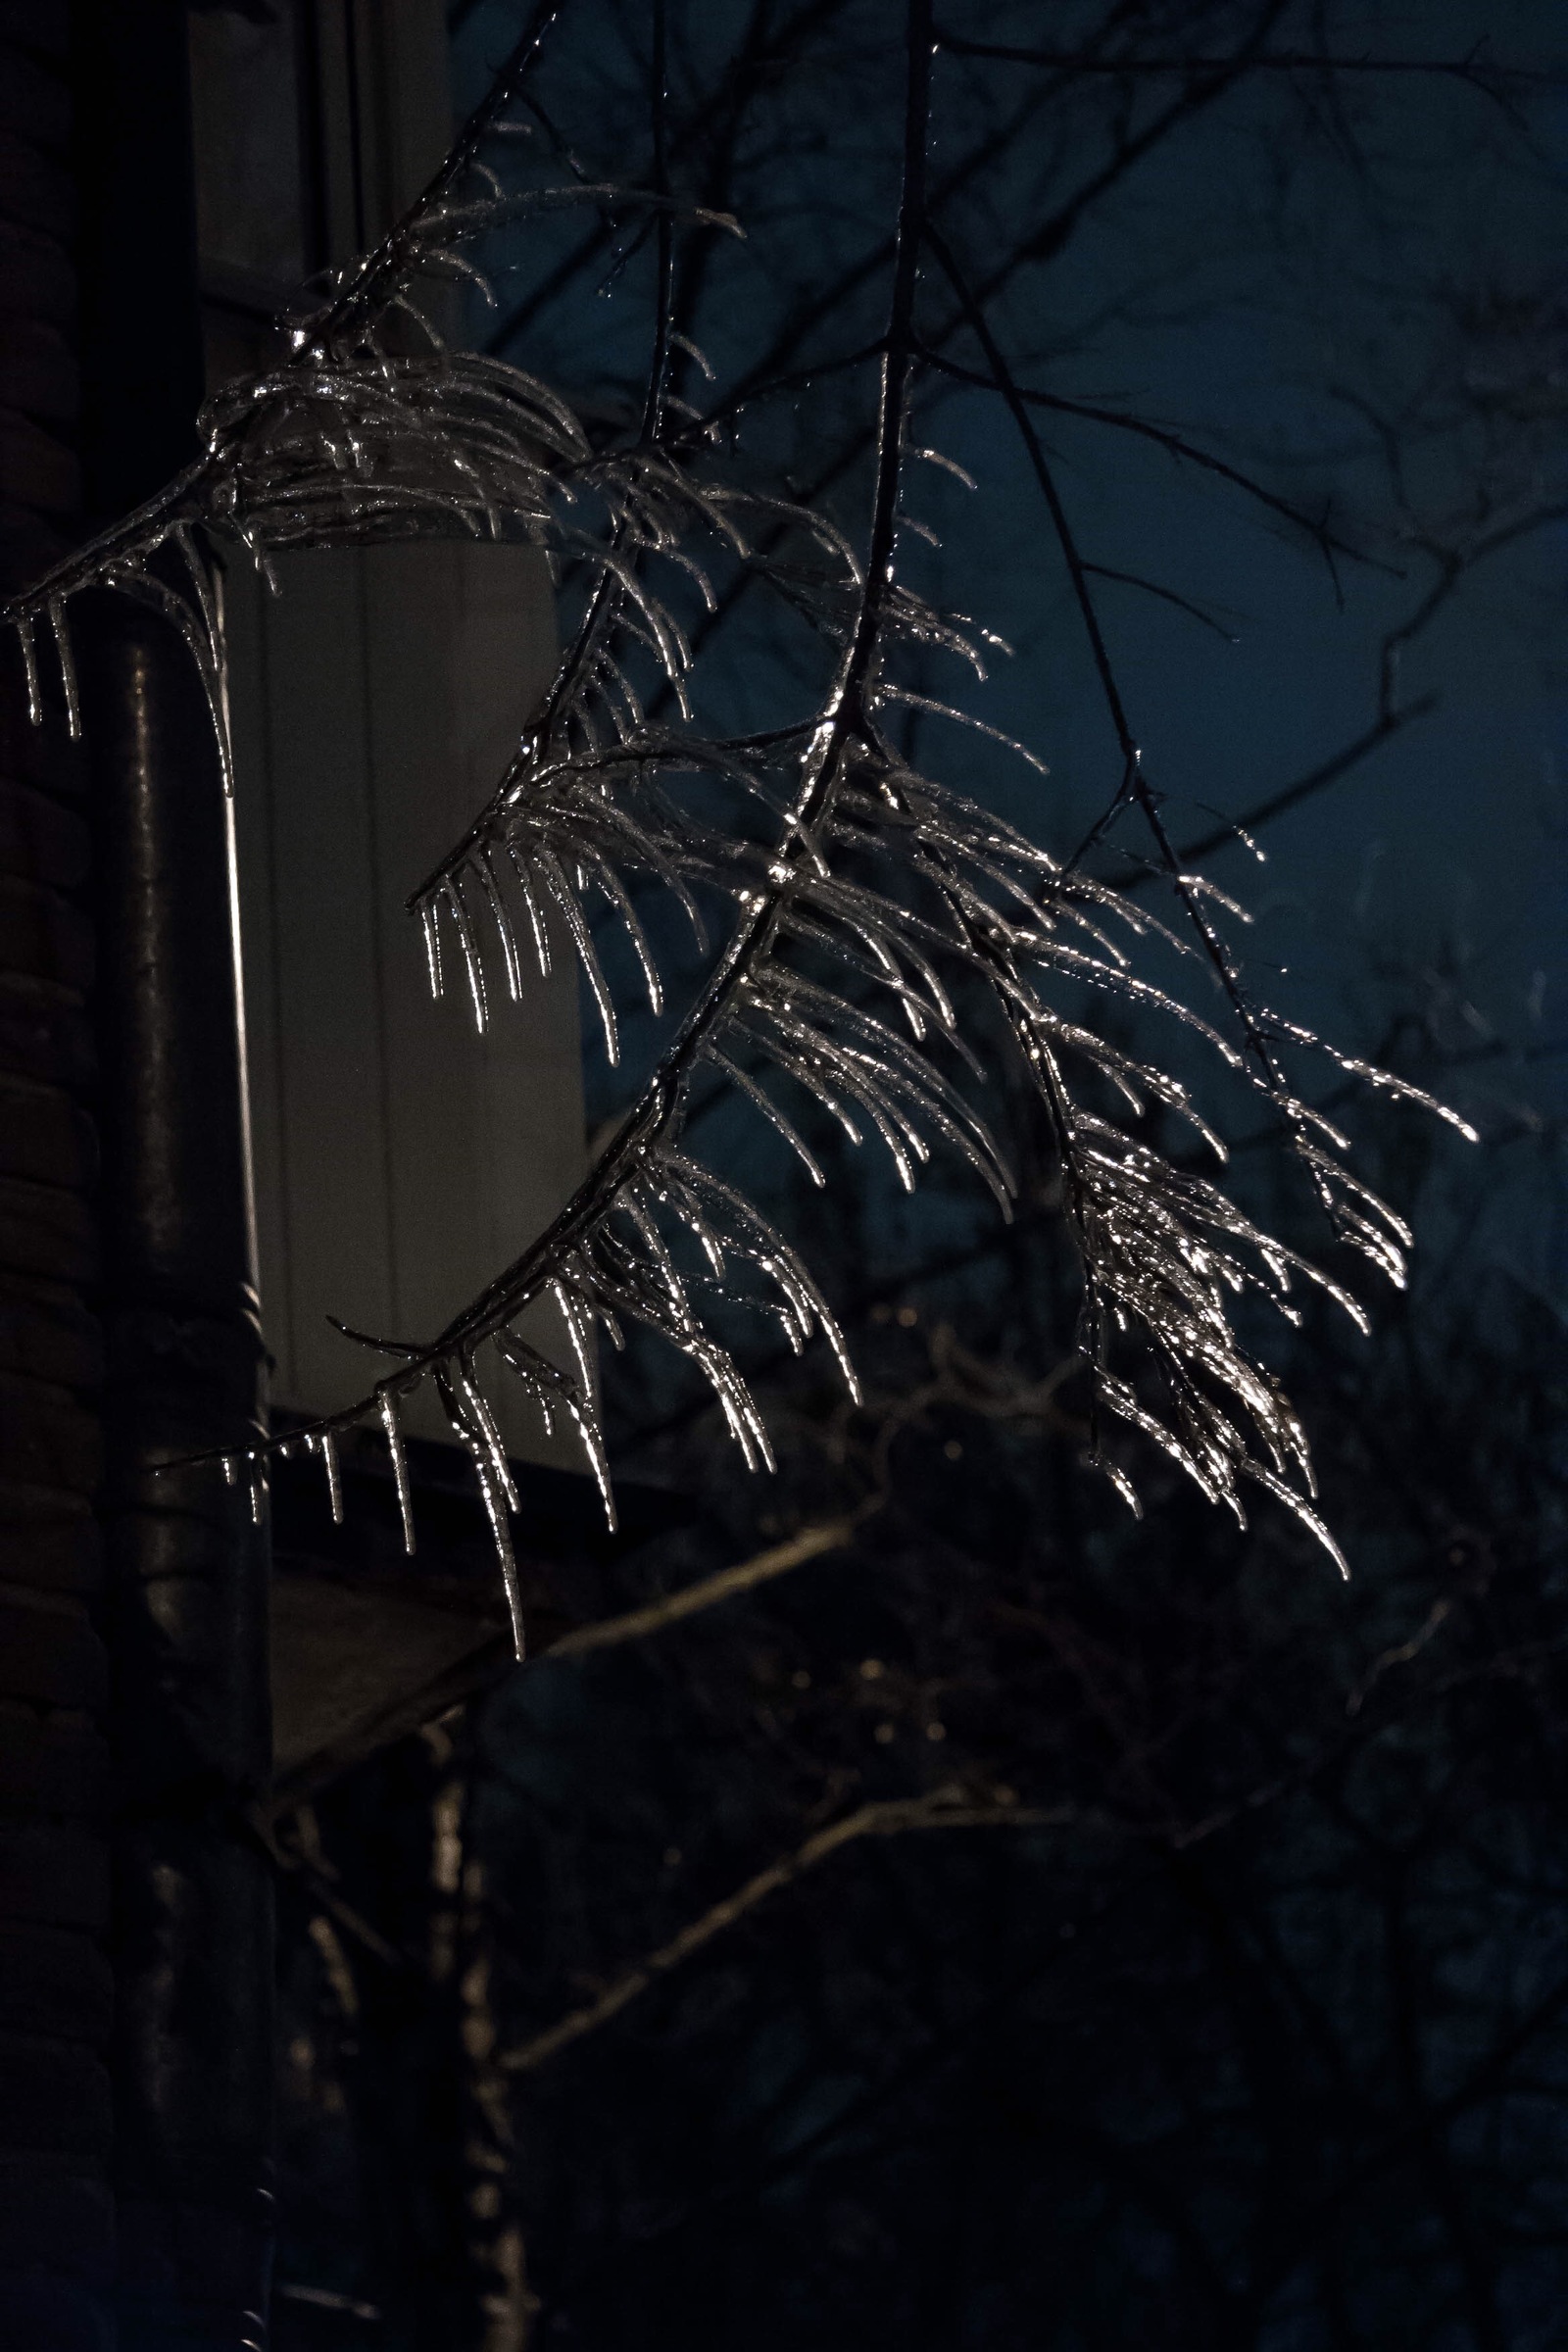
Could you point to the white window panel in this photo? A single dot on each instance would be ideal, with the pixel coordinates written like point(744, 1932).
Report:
point(401, 1159)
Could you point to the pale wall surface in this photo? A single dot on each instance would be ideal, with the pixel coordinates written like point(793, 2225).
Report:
point(401, 1159)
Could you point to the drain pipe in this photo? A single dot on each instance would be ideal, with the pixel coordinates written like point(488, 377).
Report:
point(191, 1935)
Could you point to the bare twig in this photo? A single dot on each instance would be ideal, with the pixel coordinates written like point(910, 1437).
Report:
point(943, 1809)
point(811, 1543)
point(1475, 68)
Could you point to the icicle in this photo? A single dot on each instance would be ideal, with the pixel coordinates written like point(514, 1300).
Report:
point(68, 667)
point(935, 456)
point(536, 922)
point(470, 952)
point(29, 663)
point(489, 1434)
point(430, 925)
point(509, 945)
point(400, 1467)
point(1121, 1482)
point(593, 1445)
point(579, 1329)
point(611, 884)
point(496, 1513)
point(771, 1111)
point(267, 570)
point(327, 1444)
point(208, 650)
point(560, 890)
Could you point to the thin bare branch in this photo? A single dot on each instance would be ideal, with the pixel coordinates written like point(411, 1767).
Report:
point(943, 1809)
point(1476, 69)
point(833, 1535)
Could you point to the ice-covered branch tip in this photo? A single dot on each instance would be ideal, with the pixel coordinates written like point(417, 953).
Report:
point(862, 906)
point(349, 438)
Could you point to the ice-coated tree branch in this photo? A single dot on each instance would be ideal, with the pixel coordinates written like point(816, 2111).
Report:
point(851, 892)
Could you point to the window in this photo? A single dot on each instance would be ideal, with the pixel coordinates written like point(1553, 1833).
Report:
point(400, 1158)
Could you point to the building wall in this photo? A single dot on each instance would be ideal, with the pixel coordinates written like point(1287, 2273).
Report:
point(56, 2254)
point(56, 2228)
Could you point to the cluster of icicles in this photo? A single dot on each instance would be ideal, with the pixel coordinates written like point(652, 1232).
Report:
point(851, 905)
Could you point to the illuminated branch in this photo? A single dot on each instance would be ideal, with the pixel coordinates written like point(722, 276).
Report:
point(855, 891)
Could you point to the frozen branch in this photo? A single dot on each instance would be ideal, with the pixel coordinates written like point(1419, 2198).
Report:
point(855, 893)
